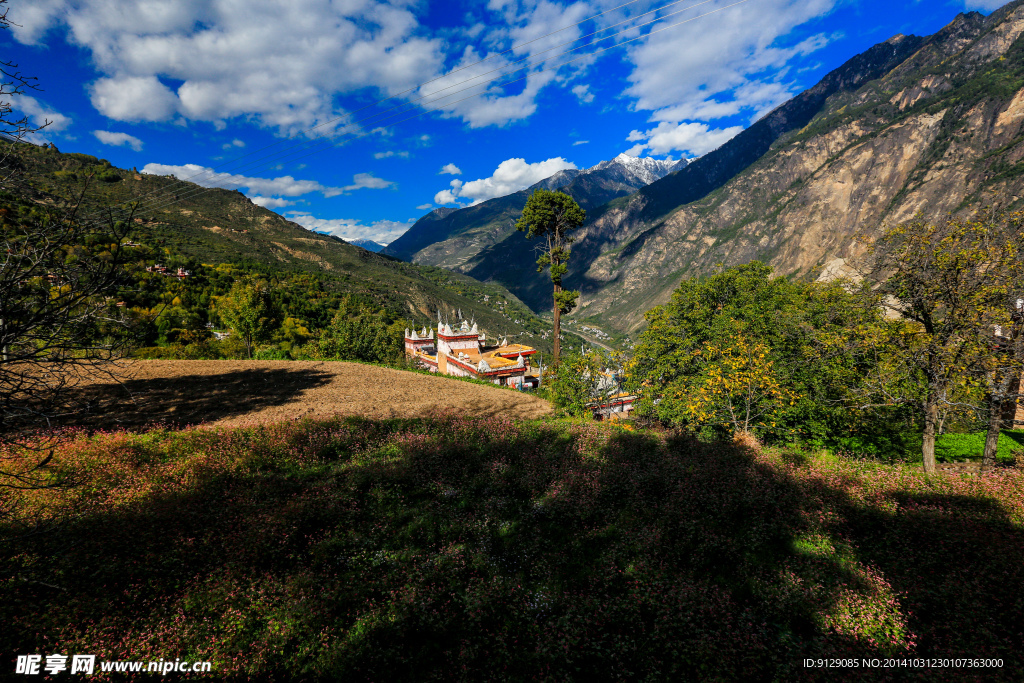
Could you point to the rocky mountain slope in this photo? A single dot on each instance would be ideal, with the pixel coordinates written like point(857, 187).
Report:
point(930, 124)
point(452, 238)
point(914, 124)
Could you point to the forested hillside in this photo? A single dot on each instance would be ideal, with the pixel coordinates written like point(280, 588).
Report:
point(219, 237)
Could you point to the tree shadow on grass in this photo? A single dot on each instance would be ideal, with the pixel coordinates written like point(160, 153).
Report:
point(481, 550)
point(192, 399)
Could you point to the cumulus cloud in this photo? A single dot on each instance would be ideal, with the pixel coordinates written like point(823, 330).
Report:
point(234, 143)
point(694, 139)
point(511, 176)
point(582, 92)
point(284, 185)
point(40, 114)
point(451, 169)
point(446, 197)
point(133, 98)
point(270, 202)
point(691, 72)
point(118, 139)
point(214, 60)
point(382, 232)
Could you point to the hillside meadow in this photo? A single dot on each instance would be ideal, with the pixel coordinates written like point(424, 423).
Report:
point(451, 548)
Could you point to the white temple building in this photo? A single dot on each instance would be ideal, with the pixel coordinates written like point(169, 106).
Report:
point(462, 351)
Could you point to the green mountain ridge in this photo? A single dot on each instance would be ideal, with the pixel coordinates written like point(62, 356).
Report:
point(190, 223)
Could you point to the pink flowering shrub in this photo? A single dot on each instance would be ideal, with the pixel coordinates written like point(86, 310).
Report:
point(454, 548)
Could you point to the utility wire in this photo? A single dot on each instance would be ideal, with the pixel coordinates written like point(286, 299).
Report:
point(415, 87)
point(407, 106)
point(322, 146)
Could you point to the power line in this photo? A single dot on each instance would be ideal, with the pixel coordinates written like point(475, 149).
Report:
point(279, 157)
point(396, 95)
point(325, 143)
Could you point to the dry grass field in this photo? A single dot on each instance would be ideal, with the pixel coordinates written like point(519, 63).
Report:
point(227, 393)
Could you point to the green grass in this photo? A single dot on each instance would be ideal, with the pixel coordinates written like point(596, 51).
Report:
point(459, 549)
point(953, 447)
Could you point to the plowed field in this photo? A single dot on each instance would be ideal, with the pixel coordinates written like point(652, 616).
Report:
point(177, 392)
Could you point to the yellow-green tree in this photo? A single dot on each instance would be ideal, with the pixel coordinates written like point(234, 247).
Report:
point(579, 382)
point(552, 216)
point(736, 387)
point(947, 284)
point(697, 342)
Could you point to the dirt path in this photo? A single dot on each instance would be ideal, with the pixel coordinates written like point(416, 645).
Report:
point(243, 392)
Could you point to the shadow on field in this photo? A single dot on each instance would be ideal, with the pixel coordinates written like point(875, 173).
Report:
point(192, 399)
point(453, 549)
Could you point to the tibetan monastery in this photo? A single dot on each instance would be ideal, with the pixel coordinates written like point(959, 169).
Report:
point(463, 351)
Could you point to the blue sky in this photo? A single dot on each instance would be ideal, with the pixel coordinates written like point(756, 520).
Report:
point(198, 88)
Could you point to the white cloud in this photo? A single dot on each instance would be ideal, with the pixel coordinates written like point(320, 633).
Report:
point(451, 169)
point(495, 108)
point(39, 114)
point(581, 142)
point(446, 197)
point(694, 139)
point(388, 154)
point(284, 185)
point(511, 176)
point(366, 181)
point(118, 139)
point(724, 64)
point(582, 92)
point(382, 232)
point(424, 207)
point(213, 60)
point(234, 143)
point(133, 98)
point(270, 202)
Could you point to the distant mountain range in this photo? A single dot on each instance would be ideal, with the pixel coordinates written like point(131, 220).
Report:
point(932, 124)
point(451, 238)
point(368, 245)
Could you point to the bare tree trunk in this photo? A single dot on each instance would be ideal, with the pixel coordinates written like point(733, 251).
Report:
point(998, 391)
point(995, 423)
point(931, 415)
point(557, 328)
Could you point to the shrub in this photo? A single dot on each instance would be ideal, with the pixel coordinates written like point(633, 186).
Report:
point(271, 353)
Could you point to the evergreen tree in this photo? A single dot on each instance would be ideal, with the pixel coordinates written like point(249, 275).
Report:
point(552, 216)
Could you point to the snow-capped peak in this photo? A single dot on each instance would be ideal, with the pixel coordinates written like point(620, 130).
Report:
point(646, 169)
